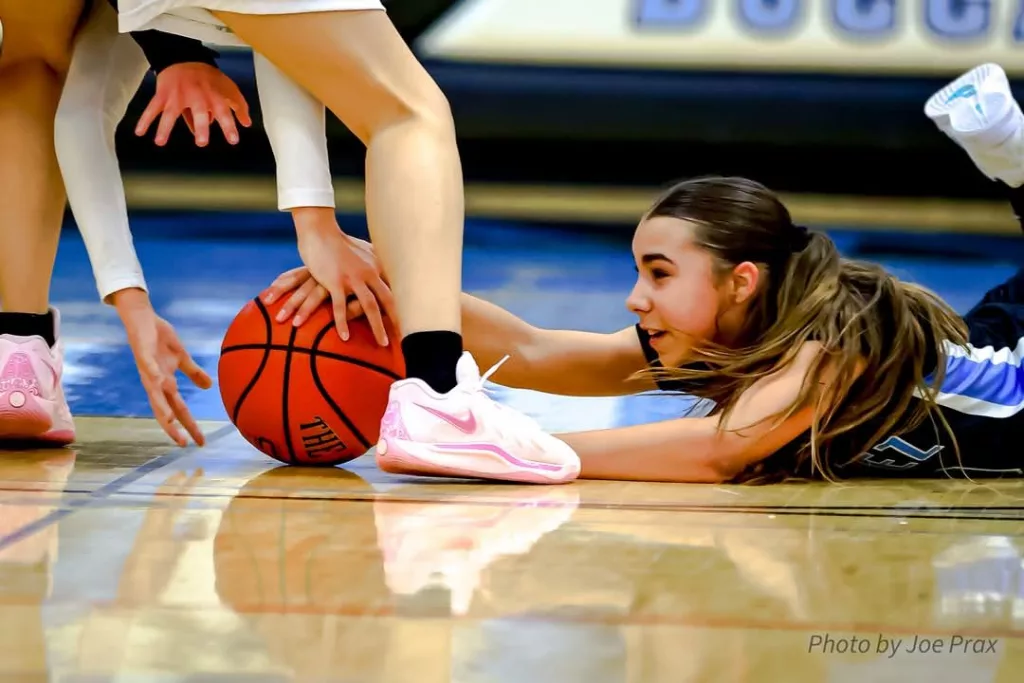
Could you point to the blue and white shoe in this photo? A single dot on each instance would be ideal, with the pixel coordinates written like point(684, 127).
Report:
point(979, 113)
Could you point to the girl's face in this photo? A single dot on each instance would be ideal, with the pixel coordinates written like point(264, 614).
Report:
point(679, 296)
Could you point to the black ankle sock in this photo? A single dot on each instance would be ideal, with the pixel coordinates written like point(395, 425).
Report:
point(431, 357)
point(1017, 202)
point(28, 325)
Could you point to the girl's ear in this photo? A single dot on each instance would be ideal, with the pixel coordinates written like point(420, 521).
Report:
point(743, 282)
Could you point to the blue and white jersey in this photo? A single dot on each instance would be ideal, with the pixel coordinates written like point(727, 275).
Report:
point(987, 382)
point(982, 399)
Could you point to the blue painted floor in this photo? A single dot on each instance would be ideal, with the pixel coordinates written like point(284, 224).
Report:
point(202, 269)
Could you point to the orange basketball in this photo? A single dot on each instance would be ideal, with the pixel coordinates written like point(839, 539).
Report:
point(301, 394)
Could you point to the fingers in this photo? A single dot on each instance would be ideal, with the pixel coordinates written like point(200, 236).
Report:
point(372, 310)
point(295, 300)
point(153, 109)
point(200, 120)
point(387, 300)
point(312, 302)
point(169, 407)
point(154, 382)
point(196, 374)
point(167, 120)
point(177, 404)
point(236, 101)
point(226, 120)
point(354, 309)
point(285, 283)
point(340, 315)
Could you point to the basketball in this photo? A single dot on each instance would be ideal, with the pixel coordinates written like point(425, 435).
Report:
point(300, 394)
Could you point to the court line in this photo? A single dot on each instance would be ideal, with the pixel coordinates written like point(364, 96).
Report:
point(875, 512)
point(107, 490)
point(593, 204)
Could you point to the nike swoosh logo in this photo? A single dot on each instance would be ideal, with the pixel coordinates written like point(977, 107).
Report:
point(466, 425)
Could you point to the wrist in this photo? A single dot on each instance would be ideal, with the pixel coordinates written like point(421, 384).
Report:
point(130, 299)
point(315, 220)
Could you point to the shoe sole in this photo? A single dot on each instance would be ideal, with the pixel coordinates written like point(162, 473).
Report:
point(24, 418)
point(465, 461)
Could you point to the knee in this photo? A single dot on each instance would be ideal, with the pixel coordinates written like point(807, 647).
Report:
point(29, 74)
point(34, 86)
point(427, 108)
point(436, 109)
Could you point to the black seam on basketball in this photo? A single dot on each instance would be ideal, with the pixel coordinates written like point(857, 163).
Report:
point(326, 354)
point(286, 392)
point(263, 362)
point(363, 441)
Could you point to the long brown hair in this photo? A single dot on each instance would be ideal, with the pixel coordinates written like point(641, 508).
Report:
point(881, 338)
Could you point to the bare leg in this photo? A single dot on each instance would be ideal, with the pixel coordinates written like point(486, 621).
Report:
point(360, 68)
point(31, 189)
point(37, 50)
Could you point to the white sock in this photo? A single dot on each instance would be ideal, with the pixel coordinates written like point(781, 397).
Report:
point(979, 113)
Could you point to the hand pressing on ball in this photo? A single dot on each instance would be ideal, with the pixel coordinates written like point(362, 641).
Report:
point(345, 267)
point(304, 295)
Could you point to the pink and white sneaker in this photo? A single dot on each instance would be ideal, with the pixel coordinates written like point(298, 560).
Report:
point(466, 433)
point(32, 403)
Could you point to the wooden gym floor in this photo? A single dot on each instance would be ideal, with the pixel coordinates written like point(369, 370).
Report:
point(124, 559)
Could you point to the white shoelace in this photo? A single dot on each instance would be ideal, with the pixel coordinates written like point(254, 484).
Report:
point(525, 427)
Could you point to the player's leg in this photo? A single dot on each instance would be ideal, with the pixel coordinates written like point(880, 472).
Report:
point(356, 63)
point(979, 113)
point(37, 44)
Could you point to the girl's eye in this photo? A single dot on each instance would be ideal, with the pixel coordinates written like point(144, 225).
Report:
point(657, 274)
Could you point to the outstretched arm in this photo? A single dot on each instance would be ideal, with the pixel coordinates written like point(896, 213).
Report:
point(565, 362)
point(703, 450)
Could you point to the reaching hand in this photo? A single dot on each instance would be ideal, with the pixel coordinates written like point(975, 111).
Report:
point(159, 353)
point(195, 91)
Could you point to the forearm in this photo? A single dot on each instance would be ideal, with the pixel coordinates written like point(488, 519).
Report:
point(106, 71)
point(564, 362)
point(712, 449)
point(295, 124)
point(683, 450)
point(490, 333)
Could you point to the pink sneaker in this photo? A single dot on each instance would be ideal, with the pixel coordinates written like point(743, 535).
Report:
point(466, 433)
point(32, 403)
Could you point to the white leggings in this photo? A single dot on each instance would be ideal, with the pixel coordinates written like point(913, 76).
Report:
point(106, 71)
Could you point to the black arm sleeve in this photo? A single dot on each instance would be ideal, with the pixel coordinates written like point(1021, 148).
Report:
point(166, 49)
